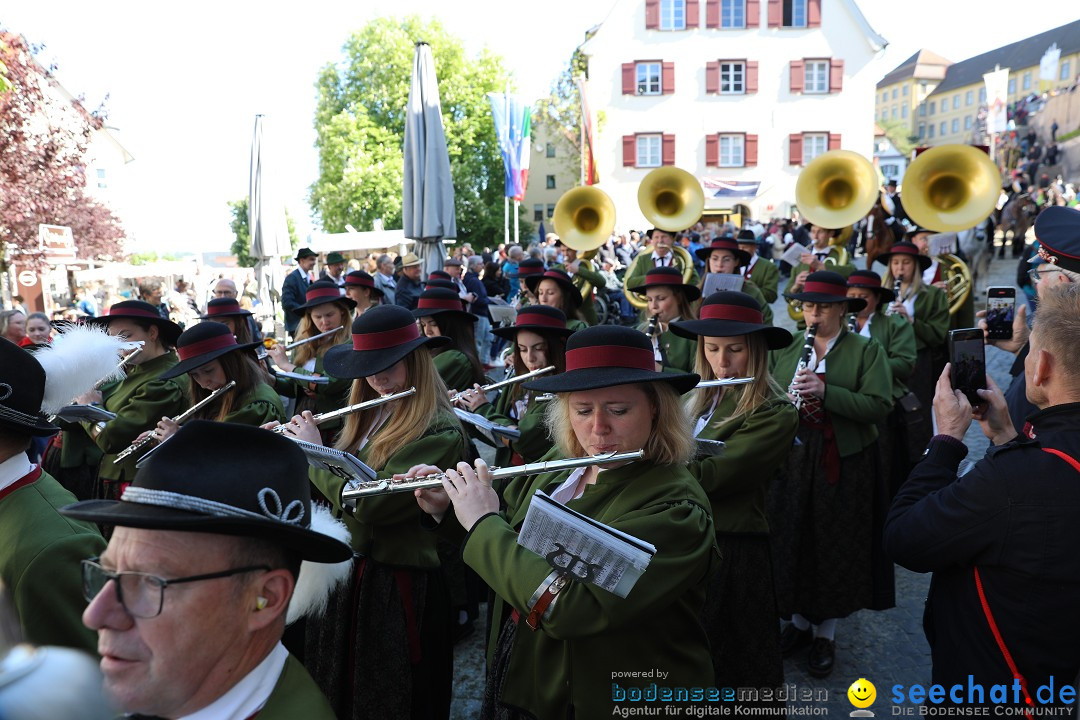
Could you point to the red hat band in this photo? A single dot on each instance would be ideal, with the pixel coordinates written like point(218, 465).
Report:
point(736, 313)
point(322, 293)
point(903, 250)
point(136, 312)
point(864, 282)
point(204, 346)
point(824, 288)
point(386, 338)
point(360, 281)
point(224, 309)
point(619, 356)
point(438, 304)
point(535, 318)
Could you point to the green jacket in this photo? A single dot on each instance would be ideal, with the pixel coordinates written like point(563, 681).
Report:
point(679, 353)
point(575, 324)
point(331, 396)
point(455, 369)
point(387, 527)
point(834, 254)
point(931, 318)
point(534, 442)
point(296, 696)
point(642, 268)
point(766, 277)
point(897, 337)
point(40, 552)
point(755, 445)
point(858, 390)
point(566, 668)
point(586, 272)
point(258, 408)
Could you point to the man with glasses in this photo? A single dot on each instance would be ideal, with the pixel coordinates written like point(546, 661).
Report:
point(190, 597)
point(224, 288)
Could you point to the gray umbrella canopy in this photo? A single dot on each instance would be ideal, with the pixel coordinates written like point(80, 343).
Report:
point(427, 202)
point(266, 221)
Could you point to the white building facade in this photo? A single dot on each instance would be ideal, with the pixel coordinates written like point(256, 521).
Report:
point(740, 93)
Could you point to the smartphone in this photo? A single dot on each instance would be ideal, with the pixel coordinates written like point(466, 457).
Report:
point(968, 362)
point(1000, 311)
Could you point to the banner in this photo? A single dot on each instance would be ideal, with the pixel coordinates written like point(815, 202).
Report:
point(730, 189)
point(1048, 66)
point(997, 100)
point(588, 154)
point(513, 128)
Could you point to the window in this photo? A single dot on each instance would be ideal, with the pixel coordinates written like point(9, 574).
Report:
point(794, 13)
point(933, 107)
point(1065, 67)
point(930, 131)
point(731, 150)
point(672, 14)
point(1012, 86)
point(648, 150)
point(922, 130)
point(893, 112)
point(890, 170)
point(550, 210)
point(944, 105)
point(894, 91)
point(538, 212)
point(885, 96)
point(967, 122)
point(884, 114)
point(956, 101)
point(732, 13)
point(904, 91)
point(903, 111)
point(969, 97)
point(814, 144)
point(550, 182)
point(732, 78)
point(816, 76)
point(922, 110)
point(955, 125)
point(549, 150)
point(1027, 81)
point(982, 96)
point(648, 78)
point(941, 129)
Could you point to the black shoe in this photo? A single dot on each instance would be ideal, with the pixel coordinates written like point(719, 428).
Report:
point(822, 657)
point(792, 639)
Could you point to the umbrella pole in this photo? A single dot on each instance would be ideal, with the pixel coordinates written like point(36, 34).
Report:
point(517, 212)
point(506, 220)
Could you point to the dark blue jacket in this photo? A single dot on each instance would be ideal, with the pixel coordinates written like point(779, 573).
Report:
point(293, 295)
point(407, 292)
point(472, 282)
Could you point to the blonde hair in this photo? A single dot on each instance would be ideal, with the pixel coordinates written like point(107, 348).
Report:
point(308, 329)
point(412, 415)
point(671, 441)
point(1058, 324)
point(752, 396)
point(686, 308)
point(914, 287)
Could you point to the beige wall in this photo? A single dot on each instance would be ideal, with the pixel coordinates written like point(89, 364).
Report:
point(564, 167)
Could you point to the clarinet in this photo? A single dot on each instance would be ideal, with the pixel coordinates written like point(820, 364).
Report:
point(896, 292)
point(804, 362)
point(853, 323)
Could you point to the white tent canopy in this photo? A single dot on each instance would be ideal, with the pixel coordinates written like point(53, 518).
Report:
point(363, 241)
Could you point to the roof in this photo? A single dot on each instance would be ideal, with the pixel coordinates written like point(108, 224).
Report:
point(1021, 54)
point(923, 65)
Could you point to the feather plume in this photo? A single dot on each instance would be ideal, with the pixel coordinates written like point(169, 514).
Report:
point(318, 580)
point(78, 359)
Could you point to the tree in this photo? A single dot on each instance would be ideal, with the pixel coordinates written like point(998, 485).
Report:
point(562, 107)
point(241, 246)
point(43, 151)
point(899, 134)
point(360, 124)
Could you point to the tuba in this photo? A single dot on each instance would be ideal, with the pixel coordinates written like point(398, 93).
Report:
point(584, 218)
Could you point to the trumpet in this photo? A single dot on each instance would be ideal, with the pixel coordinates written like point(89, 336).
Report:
point(270, 343)
point(804, 362)
point(724, 382)
point(349, 409)
point(179, 420)
point(359, 490)
point(504, 383)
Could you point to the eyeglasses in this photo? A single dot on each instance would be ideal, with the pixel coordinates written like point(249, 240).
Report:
point(141, 594)
point(1035, 274)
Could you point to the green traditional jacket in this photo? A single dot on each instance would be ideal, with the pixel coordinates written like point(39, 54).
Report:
point(566, 668)
point(751, 289)
point(332, 396)
point(641, 269)
point(455, 369)
point(679, 353)
point(834, 266)
point(40, 555)
point(897, 337)
point(575, 324)
point(766, 277)
point(296, 696)
point(586, 272)
point(258, 408)
point(858, 386)
point(386, 528)
point(534, 442)
point(755, 445)
point(931, 318)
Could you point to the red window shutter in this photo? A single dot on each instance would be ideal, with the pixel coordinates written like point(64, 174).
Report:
point(798, 76)
point(692, 15)
point(834, 141)
point(753, 13)
point(712, 13)
point(750, 151)
point(629, 151)
point(794, 149)
point(652, 14)
point(751, 76)
point(813, 13)
point(776, 13)
point(836, 75)
point(712, 77)
point(667, 81)
point(668, 153)
point(628, 79)
point(712, 150)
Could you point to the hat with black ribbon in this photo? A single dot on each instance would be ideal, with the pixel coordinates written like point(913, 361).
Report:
point(538, 319)
point(1058, 231)
point(608, 355)
point(202, 343)
point(870, 280)
point(439, 301)
point(825, 286)
point(359, 278)
point(560, 278)
point(667, 277)
point(729, 313)
point(305, 253)
point(380, 337)
point(323, 292)
point(727, 244)
point(905, 248)
point(140, 310)
point(223, 307)
point(334, 258)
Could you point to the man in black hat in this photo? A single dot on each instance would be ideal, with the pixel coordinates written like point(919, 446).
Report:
point(335, 269)
point(189, 599)
point(294, 289)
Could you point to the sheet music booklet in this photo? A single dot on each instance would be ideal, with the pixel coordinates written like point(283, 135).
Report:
point(494, 433)
point(715, 282)
point(793, 255)
point(337, 462)
point(93, 413)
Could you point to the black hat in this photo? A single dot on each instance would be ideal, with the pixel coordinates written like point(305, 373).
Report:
point(359, 278)
point(571, 293)
point(226, 479)
point(141, 310)
point(667, 277)
point(1058, 231)
point(728, 313)
point(322, 292)
point(607, 355)
point(22, 389)
point(334, 258)
point(916, 230)
point(223, 307)
point(825, 286)
point(305, 253)
point(202, 343)
point(439, 301)
point(440, 275)
point(528, 267)
point(537, 318)
point(871, 281)
point(724, 243)
point(380, 337)
point(891, 182)
point(906, 248)
point(746, 236)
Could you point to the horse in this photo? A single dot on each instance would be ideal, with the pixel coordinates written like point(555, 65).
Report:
point(878, 236)
point(1017, 216)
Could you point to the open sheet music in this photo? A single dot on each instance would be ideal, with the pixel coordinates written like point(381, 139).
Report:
point(338, 462)
point(492, 432)
point(715, 282)
point(793, 255)
point(93, 413)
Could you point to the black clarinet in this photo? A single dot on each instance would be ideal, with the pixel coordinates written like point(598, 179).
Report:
point(896, 292)
point(853, 323)
point(804, 362)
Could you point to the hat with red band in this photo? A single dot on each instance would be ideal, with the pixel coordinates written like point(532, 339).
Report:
point(323, 292)
point(608, 355)
point(140, 310)
point(561, 279)
point(870, 280)
point(905, 249)
point(729, 313)
point(439, 301)
point(528, 267)
point(380, 337)
point(359, 278)
point(727, 244)
point(537, 319)
point(825, 286)
point(1058, 231)
point(223, 307)
point(667, 277)
point(202, 343)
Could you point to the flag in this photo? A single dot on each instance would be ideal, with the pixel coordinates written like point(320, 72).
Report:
point(997, 98)
point(513, 126)
point(542, 232)
point(587, 154)
point(730, 189)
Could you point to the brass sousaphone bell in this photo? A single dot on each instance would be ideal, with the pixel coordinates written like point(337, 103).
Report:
point(584, 218)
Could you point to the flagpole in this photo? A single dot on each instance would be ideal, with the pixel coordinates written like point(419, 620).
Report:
point(517, 212)
point(581, 127)
point(506, 220)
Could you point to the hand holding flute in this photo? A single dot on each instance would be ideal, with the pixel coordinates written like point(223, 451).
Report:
point(470, 490)
point(304, 426)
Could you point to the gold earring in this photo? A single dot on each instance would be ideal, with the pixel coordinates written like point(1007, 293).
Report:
point(260, 603)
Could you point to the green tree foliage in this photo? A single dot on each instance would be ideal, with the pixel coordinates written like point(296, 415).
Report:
point(241, 246)
point(562, 107)
point(899, 134)
point(360, 121)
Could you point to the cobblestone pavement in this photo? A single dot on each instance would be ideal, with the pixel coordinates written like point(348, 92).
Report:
point(886, 648)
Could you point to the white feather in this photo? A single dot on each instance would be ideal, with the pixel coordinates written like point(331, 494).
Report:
point(318, 580)
point(78, 358)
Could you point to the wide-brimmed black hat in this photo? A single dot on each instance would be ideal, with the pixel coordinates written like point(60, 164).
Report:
point(380, 337)
point(870, 280)
point(907, 249)
point(22, 389)
point(305, 253)
point(334, 258)
point(1058, 231)
point(562, 279)
point(223, 307)
point(724, 243)
point(359, 278)
point(225, 479)
point(728, 313)
point(439, 301)
point(668, 277)
point(825, 286)
point(141, 310)
point(322, 292)
point(537, 318)
point(529, 267)
point(607, 355)
point(746, 236)
point(202, 343)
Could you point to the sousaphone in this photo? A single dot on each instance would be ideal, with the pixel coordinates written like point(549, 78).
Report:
point(584, 218)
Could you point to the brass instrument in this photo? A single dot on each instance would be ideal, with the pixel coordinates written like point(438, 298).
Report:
point(179, 420)
point(723, 382)
point(584, 218)
point(804, 362)
point(837, 189)
point(958, 281)
point(951, 188)
point(270, 343)
point(359, 490)
point(508, 381)
point(350, 409)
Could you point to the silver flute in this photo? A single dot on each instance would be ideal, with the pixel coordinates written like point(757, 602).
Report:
point(504, 383)
point(724, 382)
point(179, 420)
point(350, 409)
point(360, 490)
point(271, 342)
point(804, 362)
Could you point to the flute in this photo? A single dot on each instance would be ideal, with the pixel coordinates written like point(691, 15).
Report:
point(358, 490)
point(382, 400)
point(504, 383)
point(179, 419)
point(271, 342)
point(724, 382)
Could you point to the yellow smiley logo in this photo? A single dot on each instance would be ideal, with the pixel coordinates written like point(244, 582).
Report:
point(862, 693)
